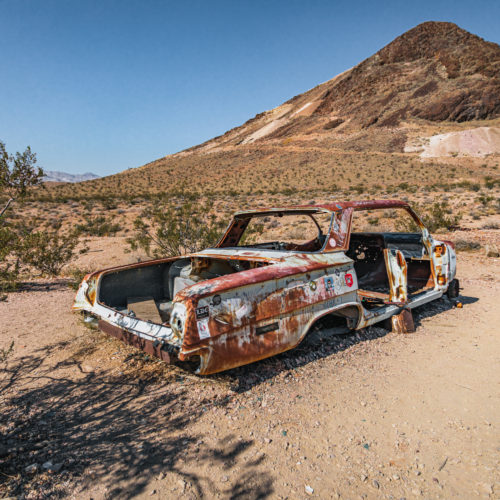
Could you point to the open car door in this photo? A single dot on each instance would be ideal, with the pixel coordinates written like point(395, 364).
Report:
point(397, 273)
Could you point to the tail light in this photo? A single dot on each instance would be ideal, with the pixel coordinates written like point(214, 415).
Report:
point(440, 250)
point(91, 291)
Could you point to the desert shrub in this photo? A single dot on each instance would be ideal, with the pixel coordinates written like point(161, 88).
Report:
point(490, 183)
point(98, 226)
point(18, 174)
point(9, 265)
point(473, 186)
point(485, 199)
point(438, 216)
point(5, 352)
point(466, 245)
point(253, 231)
point(109, 203)
point(47, 251)
point(76, 276)
point(163, 231)
point(491, 225)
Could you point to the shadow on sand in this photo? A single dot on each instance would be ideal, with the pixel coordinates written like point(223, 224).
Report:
point(121, 432)
point(108, 429)
point(319, 344)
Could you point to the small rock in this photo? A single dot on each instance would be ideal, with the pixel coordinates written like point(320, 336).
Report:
point(153, 492)
point(488, 488)
point(395, 477)
point(56, 468)
point(224, 479)
point(376, 484)
point(492, 251)
point(161, 476)
point(267, 440)
point(47, 465)
point(309, 490)
point(31, 468)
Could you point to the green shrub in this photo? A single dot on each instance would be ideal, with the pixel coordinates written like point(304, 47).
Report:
point(77, 276)
point(98, 226)
point(163, 231)
point(438, 216)
point(47, 251)
point(466, 245)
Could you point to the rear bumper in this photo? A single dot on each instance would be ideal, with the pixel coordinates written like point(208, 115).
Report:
point(157, 348)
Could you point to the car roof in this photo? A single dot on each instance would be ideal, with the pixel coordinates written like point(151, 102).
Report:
point(330, 207)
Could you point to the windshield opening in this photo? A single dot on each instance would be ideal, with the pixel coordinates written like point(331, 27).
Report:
point(287, 231)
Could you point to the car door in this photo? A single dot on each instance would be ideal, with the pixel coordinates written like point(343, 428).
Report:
point(397, 274)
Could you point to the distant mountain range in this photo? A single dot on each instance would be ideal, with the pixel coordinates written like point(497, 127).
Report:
point(54, 176)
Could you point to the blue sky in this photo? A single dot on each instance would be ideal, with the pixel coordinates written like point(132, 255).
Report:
point(105, 85)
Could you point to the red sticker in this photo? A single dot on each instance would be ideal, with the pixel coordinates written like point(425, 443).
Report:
point(348, 279)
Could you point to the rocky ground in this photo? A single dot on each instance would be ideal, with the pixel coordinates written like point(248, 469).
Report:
point(369, 415)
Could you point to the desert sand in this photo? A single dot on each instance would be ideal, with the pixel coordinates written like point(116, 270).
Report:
point(368, 415)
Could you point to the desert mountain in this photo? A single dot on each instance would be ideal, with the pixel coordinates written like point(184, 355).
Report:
point(56, 176)
point(435, 71)
point(432, 92)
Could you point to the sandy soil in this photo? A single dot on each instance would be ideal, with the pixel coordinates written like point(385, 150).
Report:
point(370, 415)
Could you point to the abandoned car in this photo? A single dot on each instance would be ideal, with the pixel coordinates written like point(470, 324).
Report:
point(273, 274)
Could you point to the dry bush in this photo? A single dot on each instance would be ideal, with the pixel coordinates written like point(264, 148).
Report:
point(47, 251)
point(163, 231)
point(437, 216)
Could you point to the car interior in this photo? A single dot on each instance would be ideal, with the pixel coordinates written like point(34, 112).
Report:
point(366, 249)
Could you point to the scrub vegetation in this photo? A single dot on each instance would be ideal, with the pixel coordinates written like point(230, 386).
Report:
point(22, 246)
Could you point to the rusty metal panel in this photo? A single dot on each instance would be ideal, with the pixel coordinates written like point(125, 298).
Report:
point(397, 272)
point(148, 346)
point(403, 322)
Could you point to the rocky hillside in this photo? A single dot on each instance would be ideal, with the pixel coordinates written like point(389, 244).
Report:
point(435, 72)
point(370, 125)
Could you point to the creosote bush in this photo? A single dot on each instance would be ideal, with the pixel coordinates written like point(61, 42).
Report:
point(47, 251)
point(437, 216)
point(98, 226)
point(163, 231)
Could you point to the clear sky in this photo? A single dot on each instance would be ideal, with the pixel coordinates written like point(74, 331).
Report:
point(104, 85)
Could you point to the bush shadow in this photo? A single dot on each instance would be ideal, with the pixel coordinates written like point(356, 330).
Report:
point(107, 429)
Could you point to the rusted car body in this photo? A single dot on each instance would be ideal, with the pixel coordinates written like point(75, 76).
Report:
point(238, 303)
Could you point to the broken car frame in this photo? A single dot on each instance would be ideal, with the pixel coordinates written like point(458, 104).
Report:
point(235, 304)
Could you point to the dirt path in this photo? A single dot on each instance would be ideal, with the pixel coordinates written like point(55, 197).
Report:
point(371, 415)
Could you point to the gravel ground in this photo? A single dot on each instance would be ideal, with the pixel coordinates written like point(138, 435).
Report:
point(367, 415)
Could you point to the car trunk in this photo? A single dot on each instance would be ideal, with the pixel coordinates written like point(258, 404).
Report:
point(147, 291)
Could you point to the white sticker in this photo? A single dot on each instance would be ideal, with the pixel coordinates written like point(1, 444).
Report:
point(333, 243)
point(203, 330)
